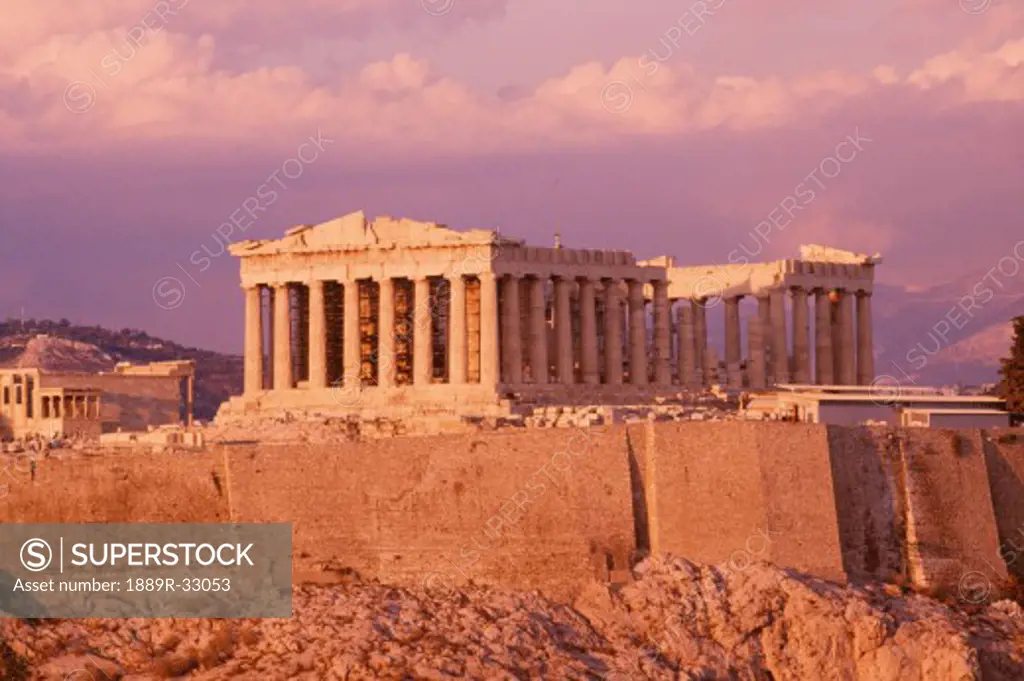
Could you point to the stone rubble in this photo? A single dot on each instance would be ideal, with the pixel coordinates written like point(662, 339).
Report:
point(678, 620)
point(326, 428)
point(158, 439)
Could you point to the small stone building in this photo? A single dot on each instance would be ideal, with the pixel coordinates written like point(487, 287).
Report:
point(132, 397)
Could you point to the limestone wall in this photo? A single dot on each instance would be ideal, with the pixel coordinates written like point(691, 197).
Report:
point(129, 402)
point(70, 488)
point(951, 521)
point(729, 493)
point(537, 507)
point(554, 508)
point(911, 506)
point(870, 502)
point(1004, 459)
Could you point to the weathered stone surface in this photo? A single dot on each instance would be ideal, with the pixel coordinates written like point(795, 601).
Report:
point(678, 620)
point(538, 508)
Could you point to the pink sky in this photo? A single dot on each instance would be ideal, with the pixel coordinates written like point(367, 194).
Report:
point(133, 130)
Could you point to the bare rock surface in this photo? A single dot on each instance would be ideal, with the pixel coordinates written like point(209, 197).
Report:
point(678, 620)
point(52, 353)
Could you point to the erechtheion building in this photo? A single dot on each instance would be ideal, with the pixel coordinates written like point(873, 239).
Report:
point(393, 314)
point(35, 401)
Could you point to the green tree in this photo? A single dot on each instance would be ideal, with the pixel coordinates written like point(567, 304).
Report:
point(1012, 371)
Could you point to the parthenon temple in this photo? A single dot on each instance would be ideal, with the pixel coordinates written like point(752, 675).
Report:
point(393, 314)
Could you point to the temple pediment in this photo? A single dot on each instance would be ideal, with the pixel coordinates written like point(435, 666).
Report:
point(355, 232)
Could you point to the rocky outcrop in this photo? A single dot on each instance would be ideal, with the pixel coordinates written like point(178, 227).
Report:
point(51, 353)
point(677, 620)
point(759, 623)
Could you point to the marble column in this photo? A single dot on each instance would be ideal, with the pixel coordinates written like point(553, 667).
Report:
point(253, 340)
point(801, 337)
point(780, 344)
point(538, 332)
point(847, 354)
point(662, 335)
point(612, 333)
point(488, 330)
point(317, 336)
point(733, 342)
point(422, 334)
point(865, 341)
point(386, 334)
point(352, 351)
point(764, 316)
point(700, 342)
point(457, 342)
point(268, 338)
point(823, 361)
point(190, 401)
point(511, 332)
point(563, 331)
point(837, 340)
point(637, 334)
point(588, 332)
point(757, 374)
point(685, 342)
point(282, 338)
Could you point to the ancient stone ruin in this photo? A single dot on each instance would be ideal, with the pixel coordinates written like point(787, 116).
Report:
point(400, 318)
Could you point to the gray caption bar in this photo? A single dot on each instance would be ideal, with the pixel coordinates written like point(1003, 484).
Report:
point(146, 570)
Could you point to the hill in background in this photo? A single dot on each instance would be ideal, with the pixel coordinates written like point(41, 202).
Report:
point(949, 333)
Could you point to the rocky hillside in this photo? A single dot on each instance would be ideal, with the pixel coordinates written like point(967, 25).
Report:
point(68, 347)
point(678, 620)
point(53, 353)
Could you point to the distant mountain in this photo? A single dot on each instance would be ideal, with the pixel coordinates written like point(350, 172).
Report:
point(93, 348)
point(954, 332)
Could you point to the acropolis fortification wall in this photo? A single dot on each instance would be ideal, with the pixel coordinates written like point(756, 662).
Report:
point(555, 508)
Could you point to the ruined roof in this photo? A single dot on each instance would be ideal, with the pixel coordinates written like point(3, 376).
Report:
point(355, 231)
point(816, 253)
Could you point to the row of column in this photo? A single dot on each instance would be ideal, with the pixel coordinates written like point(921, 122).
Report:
point(575, 336)
point(585, 352)
point(843, 345)
point(500, 341)
point(281, 351)
point(70, 406)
